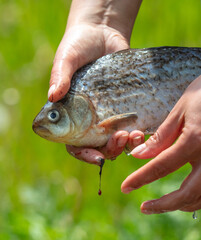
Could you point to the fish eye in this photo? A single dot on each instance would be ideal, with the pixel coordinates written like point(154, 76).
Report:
point(53, 115)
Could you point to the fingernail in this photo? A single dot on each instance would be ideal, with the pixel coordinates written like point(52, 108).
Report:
point(127, 190)
point(122, 140)
point(139, 149)
point(137, 141)
point(51, 90)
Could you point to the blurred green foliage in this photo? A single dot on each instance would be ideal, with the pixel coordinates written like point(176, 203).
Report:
point(44, 192)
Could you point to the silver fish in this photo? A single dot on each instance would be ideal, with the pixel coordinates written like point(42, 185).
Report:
point(128, 90)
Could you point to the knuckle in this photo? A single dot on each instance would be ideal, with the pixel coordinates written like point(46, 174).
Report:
point(156, 138)
point(189, 197)
point(196, 138)
point(193, 141)
point(159, 170)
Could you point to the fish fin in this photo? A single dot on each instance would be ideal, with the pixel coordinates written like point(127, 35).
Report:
point(119, 122)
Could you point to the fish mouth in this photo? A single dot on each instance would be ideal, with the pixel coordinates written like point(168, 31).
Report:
point(40, 130)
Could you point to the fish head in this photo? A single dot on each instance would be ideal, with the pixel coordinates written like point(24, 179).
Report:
point(64, 121)
point(52, 122)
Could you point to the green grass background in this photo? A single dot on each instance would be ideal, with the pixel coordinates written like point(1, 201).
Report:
point(45, 193)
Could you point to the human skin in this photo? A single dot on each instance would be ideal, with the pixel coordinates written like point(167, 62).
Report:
point(184, 123)
point(96, 28)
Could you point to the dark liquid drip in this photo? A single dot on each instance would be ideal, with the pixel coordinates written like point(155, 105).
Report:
point(100, 174)
point(195, 215)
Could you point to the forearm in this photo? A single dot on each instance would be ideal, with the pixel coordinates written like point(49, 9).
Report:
point(117, 14)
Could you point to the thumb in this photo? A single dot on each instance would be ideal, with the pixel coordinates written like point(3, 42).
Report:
point(163, 138)
point(65, 64)
point(73, 52)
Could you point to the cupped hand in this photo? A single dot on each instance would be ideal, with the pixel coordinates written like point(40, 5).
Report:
point(184, 123)
point(114, 147)
point(80, 45)
point(94, 29)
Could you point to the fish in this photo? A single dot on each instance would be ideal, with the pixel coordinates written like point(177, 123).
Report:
point(133, 89)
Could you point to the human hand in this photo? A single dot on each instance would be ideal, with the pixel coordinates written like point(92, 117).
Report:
point(94, 28)
point(80, 45)
point(114, 147)
point(184, 122)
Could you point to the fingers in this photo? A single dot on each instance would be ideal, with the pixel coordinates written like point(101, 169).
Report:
point(111, 150)
point(60, 80)
point(166, 162)
point(88, 155)
point(162, 139)
point(135, 138)
point(79, 46)
point(187, 198)
point(115, 145)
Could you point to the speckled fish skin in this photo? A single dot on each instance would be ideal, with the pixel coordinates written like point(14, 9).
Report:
point(147, 82)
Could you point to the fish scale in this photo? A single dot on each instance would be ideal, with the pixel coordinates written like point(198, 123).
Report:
point(128, 90)
point(132, 79)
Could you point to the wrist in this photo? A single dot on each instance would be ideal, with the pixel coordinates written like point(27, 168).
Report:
point(119, 15)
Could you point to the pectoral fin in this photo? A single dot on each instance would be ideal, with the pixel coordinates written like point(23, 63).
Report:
point(119, 122)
